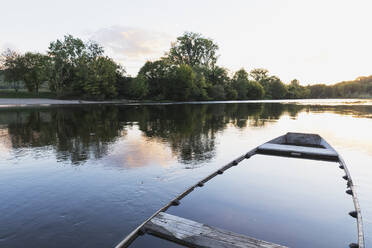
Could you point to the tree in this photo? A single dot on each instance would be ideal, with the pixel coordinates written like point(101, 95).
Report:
point(246, 89)
point(259, 74)
point(296, 91)
point(217, 92)
point(254, 90)
point(157, 74)
point(99, 82)
point(231, 93)
point(199, 91)
point(138, 87)
point(194, 50)
point(122, 85)
point(215, 75)
point(66, 55)
point(36, 72)
point(273, 87)
point(13, 68)
point(276, 89)
point(182, 83)
point(239, 82)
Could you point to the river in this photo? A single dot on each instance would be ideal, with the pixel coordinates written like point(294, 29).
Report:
point(85, 176)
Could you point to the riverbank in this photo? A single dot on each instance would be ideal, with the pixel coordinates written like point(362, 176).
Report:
point(23, 102)
point(8, 102)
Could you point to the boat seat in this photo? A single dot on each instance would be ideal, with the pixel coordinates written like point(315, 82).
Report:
point(298, 151)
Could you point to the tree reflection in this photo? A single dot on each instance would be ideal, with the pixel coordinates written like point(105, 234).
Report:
point(79, 133)
point(76, 134)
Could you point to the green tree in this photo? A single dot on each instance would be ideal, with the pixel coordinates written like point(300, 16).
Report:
point(215, 75)
point(273, 87)
point(239, 82)
point(231, 93)
point(66, 56)
point(157, 74)
point(12, 65)
point(259, 74)
point(217, 92)
point(36, 72)
point(138, 87)
point(194, 50)
point(122, 85)
point(296, 91)
point(246, 88)
point(254, 90)
point(182, 84)
point(276, 89)
point(100, 80)
point(199, 91)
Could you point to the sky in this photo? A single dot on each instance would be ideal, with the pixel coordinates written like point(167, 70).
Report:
point(318, 41)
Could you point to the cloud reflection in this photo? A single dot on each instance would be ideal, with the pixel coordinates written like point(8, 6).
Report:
point(135, 150)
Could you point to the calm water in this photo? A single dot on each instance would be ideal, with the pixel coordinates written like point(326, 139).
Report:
point(85, 176)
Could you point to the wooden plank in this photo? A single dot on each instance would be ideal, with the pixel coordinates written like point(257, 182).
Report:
point(194, 234)
point(303, 139)
point(298, 151)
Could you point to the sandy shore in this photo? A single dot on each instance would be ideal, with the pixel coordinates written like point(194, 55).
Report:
point(6, 102)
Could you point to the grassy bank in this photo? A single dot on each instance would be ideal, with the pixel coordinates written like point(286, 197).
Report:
point(5, 93)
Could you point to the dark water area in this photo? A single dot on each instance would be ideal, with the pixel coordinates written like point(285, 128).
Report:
point(86, 176)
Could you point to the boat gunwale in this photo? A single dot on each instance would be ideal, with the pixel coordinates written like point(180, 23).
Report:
point(127, 241)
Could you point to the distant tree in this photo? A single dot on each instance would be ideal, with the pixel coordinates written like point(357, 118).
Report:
point(241, 75)
point(182, 83)
point(157, 74)
point(194, 50)
point(318, 91)
point(240, 82)
point(246, 89)
point(296, 91)
point(138, 87)
point(217, 92)
point(199, 91)
point(36, 72)
point(100, 80)
point(217, 75)
point(254, 90)
point(12, 65)
point(259, 74)
point(276, 89)
point(122, 85)
point(231, 93)
point(66, 55)
point(273, 87)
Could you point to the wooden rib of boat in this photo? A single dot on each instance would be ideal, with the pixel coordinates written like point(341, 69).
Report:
point(193, 234)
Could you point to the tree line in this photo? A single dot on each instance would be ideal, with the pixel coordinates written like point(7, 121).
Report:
point(72, 68)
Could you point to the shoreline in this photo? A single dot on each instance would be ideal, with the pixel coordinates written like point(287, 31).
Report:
point(22, 102)
point(35, 102)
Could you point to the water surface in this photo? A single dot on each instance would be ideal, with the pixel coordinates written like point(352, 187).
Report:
point(85, 176)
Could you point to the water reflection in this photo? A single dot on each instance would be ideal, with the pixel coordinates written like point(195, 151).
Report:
point(77, 134)
point(133, 161)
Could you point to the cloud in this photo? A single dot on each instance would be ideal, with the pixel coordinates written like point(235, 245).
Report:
point(132, 46)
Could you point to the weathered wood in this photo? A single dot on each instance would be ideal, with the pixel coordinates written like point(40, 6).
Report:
point(298, 151)
point(358, 214)
point(303, 139)
point(194, 234)
point(135, 233)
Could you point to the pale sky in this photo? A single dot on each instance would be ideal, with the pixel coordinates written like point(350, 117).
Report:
point(317, 41)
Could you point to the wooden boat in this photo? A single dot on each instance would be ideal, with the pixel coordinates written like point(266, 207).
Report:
point(193, 234)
